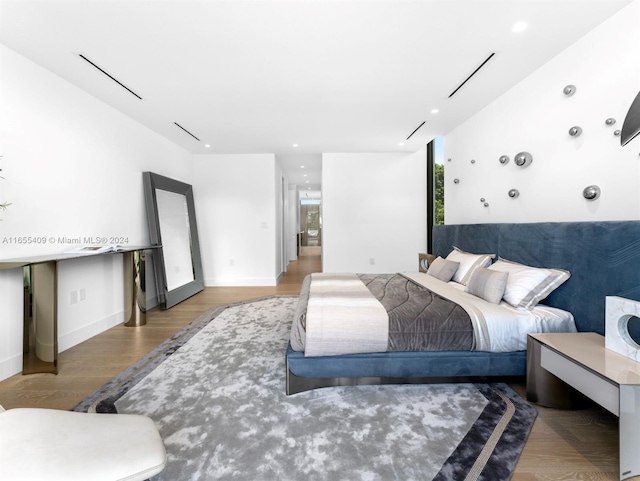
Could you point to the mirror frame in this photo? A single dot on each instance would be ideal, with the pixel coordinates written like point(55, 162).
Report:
point(169, 298)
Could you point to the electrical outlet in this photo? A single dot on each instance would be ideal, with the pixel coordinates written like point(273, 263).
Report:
point(372, 261)
point(73, 297)
point(83, 294)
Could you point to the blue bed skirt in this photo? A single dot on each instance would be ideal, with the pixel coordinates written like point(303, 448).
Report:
point(409, 364)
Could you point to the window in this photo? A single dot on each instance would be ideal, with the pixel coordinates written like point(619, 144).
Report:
point(438, 160)
point(435, 186)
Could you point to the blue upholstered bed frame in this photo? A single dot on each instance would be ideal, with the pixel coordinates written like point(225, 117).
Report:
point(603, 258)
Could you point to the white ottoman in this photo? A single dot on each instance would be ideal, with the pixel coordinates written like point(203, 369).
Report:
point(52, 445)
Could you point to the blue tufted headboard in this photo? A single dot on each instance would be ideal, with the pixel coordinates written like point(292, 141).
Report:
point(603, 258)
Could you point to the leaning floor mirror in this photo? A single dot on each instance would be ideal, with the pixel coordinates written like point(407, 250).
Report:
point(172, 227)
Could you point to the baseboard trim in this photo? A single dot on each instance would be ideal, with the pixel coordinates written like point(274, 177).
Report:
point(244, 282)
point(10, 367)
point(67, 341)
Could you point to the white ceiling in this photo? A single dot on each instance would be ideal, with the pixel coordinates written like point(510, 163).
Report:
point(328, 75)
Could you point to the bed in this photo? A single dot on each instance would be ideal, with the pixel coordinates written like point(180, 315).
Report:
point(602, 258)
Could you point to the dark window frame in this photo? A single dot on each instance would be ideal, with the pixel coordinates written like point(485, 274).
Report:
point(431, 192)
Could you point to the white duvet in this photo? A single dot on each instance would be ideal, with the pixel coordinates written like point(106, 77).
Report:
point(499, 327)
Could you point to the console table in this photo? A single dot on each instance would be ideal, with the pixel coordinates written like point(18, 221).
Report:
point(40, 335)
point(581, 360)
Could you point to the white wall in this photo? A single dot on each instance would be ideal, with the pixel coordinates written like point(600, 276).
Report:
point(73, 168)
point(535, 116)
point(374, 207)
point(237, 220)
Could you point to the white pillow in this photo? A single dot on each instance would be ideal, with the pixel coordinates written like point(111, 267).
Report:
point(468, 263)
point(526, 286)
point(488, 285)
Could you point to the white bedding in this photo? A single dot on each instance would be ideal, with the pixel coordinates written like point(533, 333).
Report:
point(500, 327)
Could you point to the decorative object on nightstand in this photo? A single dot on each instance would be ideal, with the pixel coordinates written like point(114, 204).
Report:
point(618, 311)
point(424, 260)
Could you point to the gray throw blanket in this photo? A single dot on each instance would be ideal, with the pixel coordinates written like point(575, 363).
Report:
point(419, 319)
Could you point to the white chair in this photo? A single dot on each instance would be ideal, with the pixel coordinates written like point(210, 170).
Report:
point(52, 445)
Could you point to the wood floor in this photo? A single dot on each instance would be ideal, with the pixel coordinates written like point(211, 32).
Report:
point(563, 445)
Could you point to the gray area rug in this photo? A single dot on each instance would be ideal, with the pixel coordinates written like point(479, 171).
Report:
point(216, 391)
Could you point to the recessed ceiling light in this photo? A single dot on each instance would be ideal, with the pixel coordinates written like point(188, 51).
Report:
point(304, 175)
point(295, 145)
point(306, 182)
point(401, 144)
point(302, 166)
point(207, 146)
point(519, 27)
point(434, 111)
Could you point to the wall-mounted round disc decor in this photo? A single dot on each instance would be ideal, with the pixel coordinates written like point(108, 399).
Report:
point(523, 159)
point(591, 192)
point(504, 159)
point(569, 90)
point(513, 193)
point(575, 131)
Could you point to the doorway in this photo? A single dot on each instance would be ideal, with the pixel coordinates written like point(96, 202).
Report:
point(310, 237)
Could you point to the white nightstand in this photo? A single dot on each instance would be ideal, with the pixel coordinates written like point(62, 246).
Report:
point(581, 360)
